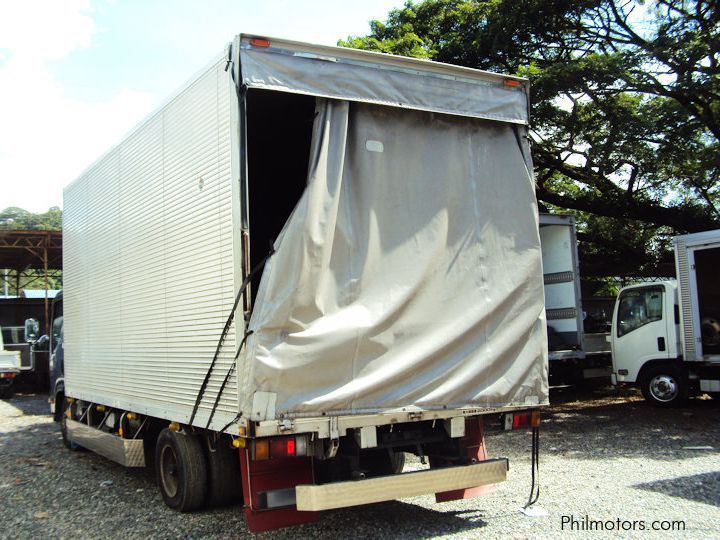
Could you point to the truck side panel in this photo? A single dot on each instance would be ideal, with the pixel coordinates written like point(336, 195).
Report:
point(562, 290)
point(149, 262)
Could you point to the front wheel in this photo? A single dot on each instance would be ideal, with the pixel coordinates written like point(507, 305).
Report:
point(664, 386)
point(64, 406)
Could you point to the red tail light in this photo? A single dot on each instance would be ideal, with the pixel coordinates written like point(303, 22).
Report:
point(280, 447)
point(521, 420)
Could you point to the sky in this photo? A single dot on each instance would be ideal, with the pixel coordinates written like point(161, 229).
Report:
point(77, 75)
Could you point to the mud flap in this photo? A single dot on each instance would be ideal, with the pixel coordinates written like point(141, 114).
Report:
point(261, 477)
point(473, 444)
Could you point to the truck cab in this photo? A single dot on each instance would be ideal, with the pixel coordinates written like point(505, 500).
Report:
point(644, 340)
point(666, 334)
point(49, 349)
point(53, 346)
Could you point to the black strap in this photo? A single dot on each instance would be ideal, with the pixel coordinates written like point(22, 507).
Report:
point(225, 330)
point(231, 422)
point(227, 378)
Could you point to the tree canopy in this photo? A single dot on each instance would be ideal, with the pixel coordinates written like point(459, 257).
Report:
point(16, 218)
point(625, 107)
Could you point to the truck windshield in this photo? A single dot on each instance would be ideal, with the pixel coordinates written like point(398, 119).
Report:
point(638, 307)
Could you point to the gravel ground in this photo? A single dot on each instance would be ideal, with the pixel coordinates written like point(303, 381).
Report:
point(605, 456)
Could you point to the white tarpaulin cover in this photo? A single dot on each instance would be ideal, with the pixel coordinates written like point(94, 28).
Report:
point(382, 79)
point(409, 274)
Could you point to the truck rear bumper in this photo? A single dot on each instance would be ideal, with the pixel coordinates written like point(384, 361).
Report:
point(386, 488)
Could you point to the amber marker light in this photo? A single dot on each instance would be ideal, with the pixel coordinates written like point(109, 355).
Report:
point(262, 449)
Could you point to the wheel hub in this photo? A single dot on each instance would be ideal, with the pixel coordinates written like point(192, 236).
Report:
point(664, 388)
point(169, 471)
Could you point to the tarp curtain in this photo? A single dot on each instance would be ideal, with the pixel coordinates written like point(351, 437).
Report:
point(407, 275)
point(283, 71)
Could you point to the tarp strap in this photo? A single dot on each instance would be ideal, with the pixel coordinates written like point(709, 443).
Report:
point(226, 379)
point(223, 335)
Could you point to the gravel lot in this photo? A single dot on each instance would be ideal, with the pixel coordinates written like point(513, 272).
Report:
point(605, 455)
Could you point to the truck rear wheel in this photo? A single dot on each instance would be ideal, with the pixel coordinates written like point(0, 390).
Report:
point(224, 480)
point(379, 462)
point(664, 386)
point(181, 470)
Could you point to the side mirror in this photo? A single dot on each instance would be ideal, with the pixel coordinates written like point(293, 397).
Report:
point(42, 343)
point(32, 329)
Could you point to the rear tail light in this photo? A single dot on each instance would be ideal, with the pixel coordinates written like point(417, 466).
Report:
point(530, 419)
point(279, 447)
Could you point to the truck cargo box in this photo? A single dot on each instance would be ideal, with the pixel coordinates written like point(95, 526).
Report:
point(563, 306)
point(394, 201)
point(697, 257)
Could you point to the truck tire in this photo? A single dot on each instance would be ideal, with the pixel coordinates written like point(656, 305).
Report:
point(7, 391)
point(664, 386)
point(181, 470)
point(224, 480)
point(379, 463)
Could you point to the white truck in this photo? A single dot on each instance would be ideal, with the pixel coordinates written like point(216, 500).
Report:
point(399, 309)
point(573, 355)
point(9, 369)
point(666, 334)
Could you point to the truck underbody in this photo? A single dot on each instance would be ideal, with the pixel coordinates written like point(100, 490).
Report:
point(286, 477)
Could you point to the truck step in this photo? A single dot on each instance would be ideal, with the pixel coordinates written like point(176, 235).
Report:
point(126, 452)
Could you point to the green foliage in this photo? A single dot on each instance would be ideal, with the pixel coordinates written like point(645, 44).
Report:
point(13, 218)
point(625, 107)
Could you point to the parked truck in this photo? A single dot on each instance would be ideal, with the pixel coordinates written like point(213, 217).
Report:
point(309, 262)
point(9, 369)
point(574, 356)
point(666, 334)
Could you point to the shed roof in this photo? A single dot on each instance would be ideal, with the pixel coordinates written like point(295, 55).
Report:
point(22, 250)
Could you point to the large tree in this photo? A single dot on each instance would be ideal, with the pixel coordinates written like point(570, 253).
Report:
point(625, 107)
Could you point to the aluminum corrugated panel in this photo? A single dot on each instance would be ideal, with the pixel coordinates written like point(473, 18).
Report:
point(686, 315)
point(149, 262)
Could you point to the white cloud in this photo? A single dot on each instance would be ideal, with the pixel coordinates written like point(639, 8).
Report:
point(46, 136)
point(44, 29)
